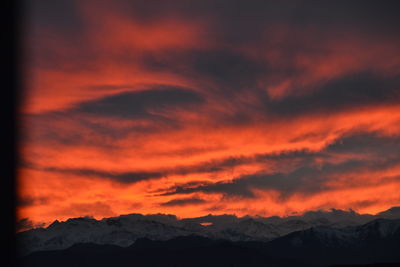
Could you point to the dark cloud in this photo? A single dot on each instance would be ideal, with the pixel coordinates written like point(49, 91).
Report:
point(153, 105)
point(344, 93)
point(379, 146)
point(62, 15)
point(234, 73)
point(183, 202)
point(304, 170)
point(133, 177)
point(147, 104)
point(225, 164)
point(229, 163)
point(241, 20)
point(121, 177)
point(61, 127)
point(31, 201)
point(309, 177)
point(301, 180)
point(368, 15)
point(49, 25)
point(228, 69)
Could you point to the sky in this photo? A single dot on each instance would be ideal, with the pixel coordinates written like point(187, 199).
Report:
point(190, 108)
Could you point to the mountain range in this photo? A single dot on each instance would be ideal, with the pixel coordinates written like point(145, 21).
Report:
point(316, 238)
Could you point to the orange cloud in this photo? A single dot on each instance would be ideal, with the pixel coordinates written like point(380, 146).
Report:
point(134, 114)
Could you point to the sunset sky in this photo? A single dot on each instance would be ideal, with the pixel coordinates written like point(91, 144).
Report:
point(209, 107)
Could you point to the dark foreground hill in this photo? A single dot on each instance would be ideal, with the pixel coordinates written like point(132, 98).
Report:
point(375, 242)
point(188, 251)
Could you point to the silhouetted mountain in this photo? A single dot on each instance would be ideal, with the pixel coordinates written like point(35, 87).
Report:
point(124, 230)
point(376, 241)
point(188, 251)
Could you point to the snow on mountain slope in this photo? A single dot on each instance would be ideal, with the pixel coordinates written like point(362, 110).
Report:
point(350, 236)
point(392, 213)
point(122, 231)
point(375, 241)
point(125, 229)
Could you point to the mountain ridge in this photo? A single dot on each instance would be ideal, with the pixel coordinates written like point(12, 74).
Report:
point(124, 230)
point(317, 246)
